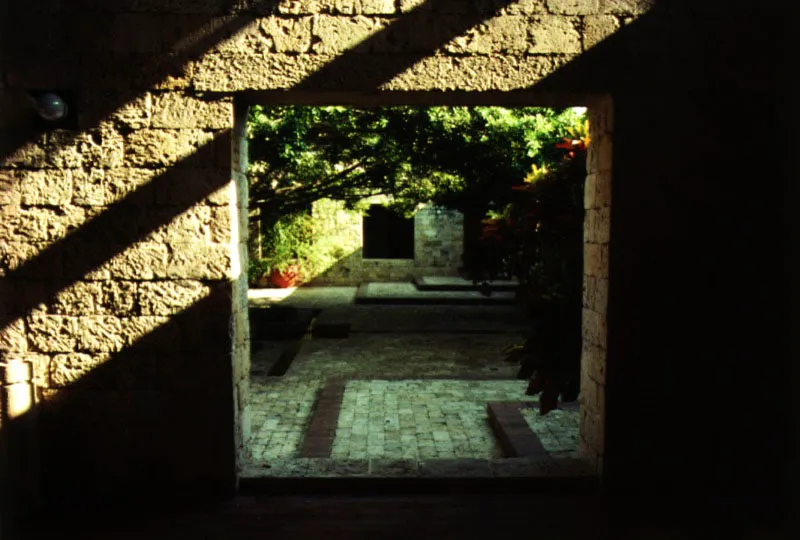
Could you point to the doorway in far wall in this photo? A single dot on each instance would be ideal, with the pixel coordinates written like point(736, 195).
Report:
point(387, 234)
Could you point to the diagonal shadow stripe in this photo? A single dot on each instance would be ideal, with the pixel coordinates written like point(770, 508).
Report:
point(433, 30)
point(118, 227)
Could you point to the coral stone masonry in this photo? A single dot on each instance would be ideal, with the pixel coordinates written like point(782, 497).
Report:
point(123, 228)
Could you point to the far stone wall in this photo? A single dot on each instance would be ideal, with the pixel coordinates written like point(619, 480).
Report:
point(438, 245)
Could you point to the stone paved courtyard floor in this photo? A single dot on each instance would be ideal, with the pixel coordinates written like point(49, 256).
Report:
point(416, 383)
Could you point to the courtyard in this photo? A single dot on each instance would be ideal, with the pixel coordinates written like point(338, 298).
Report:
point(396, 380)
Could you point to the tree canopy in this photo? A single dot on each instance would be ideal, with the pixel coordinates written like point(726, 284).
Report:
point(460, 157)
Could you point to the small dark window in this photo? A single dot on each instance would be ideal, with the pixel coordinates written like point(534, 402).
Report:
point(387, 235)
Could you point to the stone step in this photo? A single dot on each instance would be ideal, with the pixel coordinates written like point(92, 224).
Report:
point(407, 293)
point(546, 467)
point(448, 283)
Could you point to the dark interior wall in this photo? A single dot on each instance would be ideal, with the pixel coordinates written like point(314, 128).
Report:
point(696, 398)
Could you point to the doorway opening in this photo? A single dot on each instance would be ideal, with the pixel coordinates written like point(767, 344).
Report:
point(387, 235)
point(391, 368)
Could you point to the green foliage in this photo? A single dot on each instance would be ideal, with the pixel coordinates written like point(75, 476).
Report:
point(452, 156)
point(288, 241)
point(538, 238)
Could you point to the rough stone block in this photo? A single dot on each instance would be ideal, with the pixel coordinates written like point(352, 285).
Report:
point(573, 7)
point(287, 35)
point(88, 187)
point(592, 394)
point(186, 184)
point(593, 362)
point(133, 113)
point(595, 294)
point(221, 224)
point(119, 298)
point(99, 333)
point(593, 430)
point(10, 217)
point(38, 224)
point(141, 261)
point(46, 187)
point(452, 6)
point(595, 260)
point(594, 328)
point(20, 259)
point(170, 297)
point(66, 369)
point(602, 189)
point(122, 182)
point(199, 261)
point(503, 73)
point(597, 28)
point(161, 148)
point(100, 147)
point(192, 225)
point(12, 335)
point(508, 34)
point(338, 34)
point(51, 333)
point(150, 332)
point(526, 7)
point(174, 110)
point(598, 225)
point(590, 191)
point(553, 34)
point(625, 7)
point(81, 298)
point(31, 154)
point(10, 187)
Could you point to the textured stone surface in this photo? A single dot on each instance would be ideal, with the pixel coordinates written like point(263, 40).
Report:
point(115, 230)
point(437, 246)
point(573, 7)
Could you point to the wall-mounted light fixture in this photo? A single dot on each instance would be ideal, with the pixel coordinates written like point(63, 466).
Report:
point(51, 107)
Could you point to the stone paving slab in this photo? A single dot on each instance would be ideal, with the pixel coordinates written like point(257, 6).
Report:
point(420, 419)
point(303, 297)
point(450, 283)
point(406, 292)
point(392, 356)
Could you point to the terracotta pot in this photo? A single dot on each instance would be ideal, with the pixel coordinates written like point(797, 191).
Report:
point(286, 278)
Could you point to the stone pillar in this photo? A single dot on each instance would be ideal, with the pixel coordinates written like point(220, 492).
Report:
point(597, 203)
point(240, 325)
point(19, 441)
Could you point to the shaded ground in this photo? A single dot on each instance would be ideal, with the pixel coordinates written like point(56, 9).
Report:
point(417, 380)
point(406, 355)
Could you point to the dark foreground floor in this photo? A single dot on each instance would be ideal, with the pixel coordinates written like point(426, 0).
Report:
point(420, 516)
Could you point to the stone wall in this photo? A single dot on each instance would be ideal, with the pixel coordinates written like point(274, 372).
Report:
point(120, 261)
point(438, 243)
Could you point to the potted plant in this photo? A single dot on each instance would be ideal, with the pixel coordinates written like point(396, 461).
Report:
point(289, 247)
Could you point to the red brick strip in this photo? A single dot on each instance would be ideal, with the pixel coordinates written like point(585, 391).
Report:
point(322, 428)
point(515, 436)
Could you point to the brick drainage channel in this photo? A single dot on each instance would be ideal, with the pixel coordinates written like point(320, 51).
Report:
point(311, 449)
